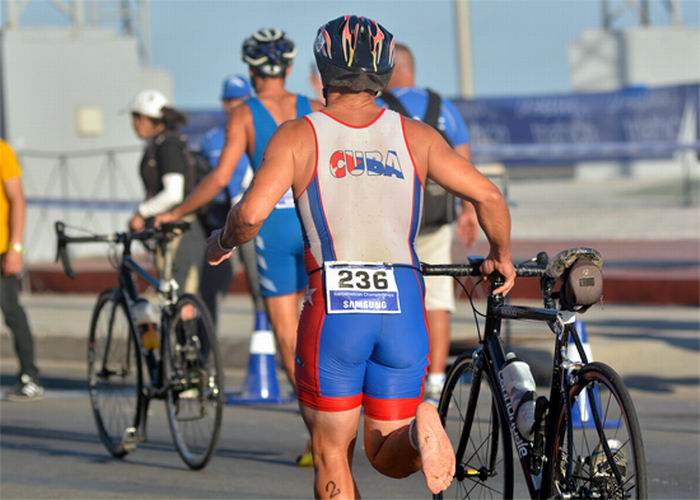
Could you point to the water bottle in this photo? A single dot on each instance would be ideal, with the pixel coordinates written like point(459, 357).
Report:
point(518, 382)
point(146, 318)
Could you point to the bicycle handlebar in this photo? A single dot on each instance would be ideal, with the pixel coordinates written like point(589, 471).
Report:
point(473, 268)
point(163, 232)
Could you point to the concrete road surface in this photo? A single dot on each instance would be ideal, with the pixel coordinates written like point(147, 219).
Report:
point(50, 448)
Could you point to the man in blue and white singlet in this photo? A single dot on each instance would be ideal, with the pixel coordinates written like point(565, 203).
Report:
point(357, 172)
point(280, 248)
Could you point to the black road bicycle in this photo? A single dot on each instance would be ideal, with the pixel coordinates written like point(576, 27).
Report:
point(180, 354)
point(587, 442)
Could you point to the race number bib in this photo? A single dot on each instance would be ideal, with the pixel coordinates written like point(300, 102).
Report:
point(360, 287)
point(287, 200)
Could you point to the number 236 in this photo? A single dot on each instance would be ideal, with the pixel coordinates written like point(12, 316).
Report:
point(362, 280)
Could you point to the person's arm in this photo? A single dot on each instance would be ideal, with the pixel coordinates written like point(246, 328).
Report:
point(271, 182)
point(12, 263)
point(459, 176)
point(467, 227)
point(173, 192)
point(216, 180)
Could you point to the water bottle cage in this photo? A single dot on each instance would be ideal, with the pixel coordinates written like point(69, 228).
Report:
point(526, 399)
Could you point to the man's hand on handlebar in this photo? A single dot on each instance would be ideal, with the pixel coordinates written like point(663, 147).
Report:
point(504, 268)
point(137, 223)
point(166, 217)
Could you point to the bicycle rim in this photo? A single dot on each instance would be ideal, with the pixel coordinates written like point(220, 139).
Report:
point(581, 465)
point(114, 374)
point(484, 457)
point(194, 399)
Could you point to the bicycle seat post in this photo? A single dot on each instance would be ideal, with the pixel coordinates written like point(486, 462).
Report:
point(166, 246)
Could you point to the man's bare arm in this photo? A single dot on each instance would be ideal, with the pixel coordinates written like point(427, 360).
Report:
point(15, 197)
point(459, 176)
point(219, 177)
point(275, 177)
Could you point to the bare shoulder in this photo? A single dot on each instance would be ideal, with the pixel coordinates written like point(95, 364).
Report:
point(416, 129)
point(419, 137)
point(295, 134)
point(241, 113)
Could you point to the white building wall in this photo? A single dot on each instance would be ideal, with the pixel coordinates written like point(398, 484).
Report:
point(67, 92)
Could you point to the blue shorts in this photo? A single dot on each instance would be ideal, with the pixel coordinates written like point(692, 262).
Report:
point(280, 251)
point(375, 360)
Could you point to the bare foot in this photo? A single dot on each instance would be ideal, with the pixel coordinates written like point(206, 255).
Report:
point(437, 455)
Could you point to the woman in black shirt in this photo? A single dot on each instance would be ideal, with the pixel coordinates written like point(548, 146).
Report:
point(168, 175)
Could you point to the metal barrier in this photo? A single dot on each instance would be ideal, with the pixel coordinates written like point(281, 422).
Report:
point(67, 185)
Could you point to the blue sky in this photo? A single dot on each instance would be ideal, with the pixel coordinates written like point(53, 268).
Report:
point(520, 46)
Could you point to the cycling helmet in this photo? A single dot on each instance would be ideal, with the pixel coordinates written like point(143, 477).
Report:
point(354, 52)
point(269, 52)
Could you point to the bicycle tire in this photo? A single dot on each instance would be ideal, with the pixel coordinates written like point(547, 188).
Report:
point(195, 381)
point(595, 472)
point(115, 377)
point(472, 473)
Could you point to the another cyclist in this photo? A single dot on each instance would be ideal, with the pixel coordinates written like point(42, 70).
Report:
point(269, 54)
point(357, 173)
point(167, 176)
point(236, 89)
point(434, 241)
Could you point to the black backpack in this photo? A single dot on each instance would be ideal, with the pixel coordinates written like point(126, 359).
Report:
point(438, 205)
point(212, 215)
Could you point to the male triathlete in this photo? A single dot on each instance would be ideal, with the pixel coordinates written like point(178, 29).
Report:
point(357, 173)
point(235, 90)
point(434, 241)
point(269, 55)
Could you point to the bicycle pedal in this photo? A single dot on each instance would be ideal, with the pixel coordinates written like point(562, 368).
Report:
point(130, 439)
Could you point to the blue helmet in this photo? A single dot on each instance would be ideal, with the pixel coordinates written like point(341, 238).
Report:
point(355, 52)
point(269, 52)
point(235, 87)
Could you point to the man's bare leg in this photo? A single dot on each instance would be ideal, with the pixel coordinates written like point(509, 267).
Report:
point(439, 328)
point(284, 317)
point(333, 436)
point(389, 449)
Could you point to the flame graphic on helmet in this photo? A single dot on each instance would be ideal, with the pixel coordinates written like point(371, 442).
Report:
point(328, 43)
point(392, 51)
point(377, 44)
point(349, 41)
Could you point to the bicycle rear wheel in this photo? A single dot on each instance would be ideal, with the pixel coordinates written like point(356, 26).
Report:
point(114, 374)
point(477, 430)
point(581, 465)
point(195, 382)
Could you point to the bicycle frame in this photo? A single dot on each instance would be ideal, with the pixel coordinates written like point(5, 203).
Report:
point(491, 357)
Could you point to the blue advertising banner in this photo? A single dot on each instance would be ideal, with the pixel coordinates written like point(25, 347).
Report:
point(631, 124)
point(634, 123)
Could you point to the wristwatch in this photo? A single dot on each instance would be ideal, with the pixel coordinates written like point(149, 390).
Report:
point(17, 247)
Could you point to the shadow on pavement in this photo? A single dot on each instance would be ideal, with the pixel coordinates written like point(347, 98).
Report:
point(43, 437)
point(49, 382)
point(686, 343)
point(649, 383)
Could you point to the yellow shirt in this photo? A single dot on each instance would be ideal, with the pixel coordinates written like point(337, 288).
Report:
point(9, 169)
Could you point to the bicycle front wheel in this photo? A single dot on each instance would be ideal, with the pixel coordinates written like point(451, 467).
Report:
point(599, 454)
point(114, 374)
point(195, 382)
point(478, 432)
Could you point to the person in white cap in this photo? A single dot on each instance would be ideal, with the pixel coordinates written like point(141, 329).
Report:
point(168, 176)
